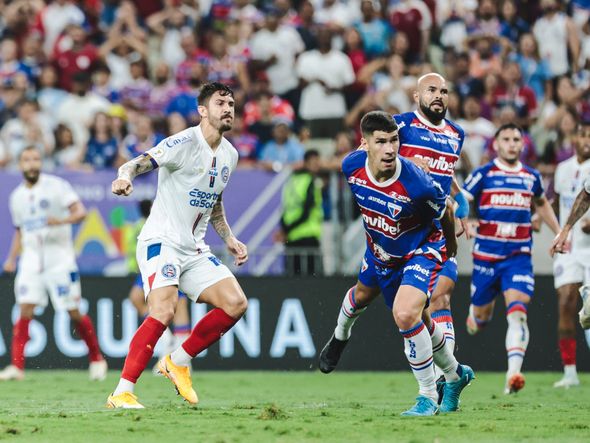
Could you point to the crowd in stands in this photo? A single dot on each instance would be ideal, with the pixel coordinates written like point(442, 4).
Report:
point(93, 83)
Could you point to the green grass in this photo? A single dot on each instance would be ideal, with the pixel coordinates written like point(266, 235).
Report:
point(63, 406)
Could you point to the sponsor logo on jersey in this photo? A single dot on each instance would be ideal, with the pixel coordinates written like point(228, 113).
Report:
point(433, 205)
point(381, 224)
point(225, 174)
point(360, 197)
point(202, 199)
point(377, 200)
point(417, 268)
point(157, 152)
point(506, 230)
point(516, 199)
point(168, 271)
point(174, 141)
point(439, 164)
point(356, 181)
point(403, 198)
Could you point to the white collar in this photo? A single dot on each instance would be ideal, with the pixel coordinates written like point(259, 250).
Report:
point(424, 121)
point(389, 181)
point(506, 168)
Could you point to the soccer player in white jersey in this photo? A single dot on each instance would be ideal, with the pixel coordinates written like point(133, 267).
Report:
point(194, 168)
point(570, 269)
point(43, 208)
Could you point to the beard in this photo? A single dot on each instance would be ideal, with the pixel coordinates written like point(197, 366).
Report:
point(221, 125)
point(32, 176)
point(431, 114)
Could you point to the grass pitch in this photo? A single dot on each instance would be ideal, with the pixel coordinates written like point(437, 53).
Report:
point(63, 406)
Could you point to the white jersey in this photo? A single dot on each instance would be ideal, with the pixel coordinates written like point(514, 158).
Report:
point(569, 181)
point(44, 247)
point(190, 180)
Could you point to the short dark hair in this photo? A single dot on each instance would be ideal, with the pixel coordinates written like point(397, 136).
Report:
point(145, 207)
point(377, 121)
point(310, 153)
point(508, 126)
point(209, 89)
point(28, 148)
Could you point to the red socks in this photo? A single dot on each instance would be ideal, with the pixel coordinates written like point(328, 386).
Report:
point(141, 348)
point(86, 332)
point(210, 329)
point(20, 337)
point(567, 348)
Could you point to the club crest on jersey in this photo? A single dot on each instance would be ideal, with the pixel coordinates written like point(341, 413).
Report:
point(454, 145)
point(225, 174)
point(44, 204)
point(394, 209)
point(364, 265)
point(168, 271)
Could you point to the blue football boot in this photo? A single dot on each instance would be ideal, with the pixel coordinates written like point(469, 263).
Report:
point(424, 407)
point(452, 390)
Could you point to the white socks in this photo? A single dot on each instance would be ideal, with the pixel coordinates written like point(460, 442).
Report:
point(180, 357)
point(347, 316)
point(124, 386)
point(444, 359)
point(418, 350)
point(444, 319)
point(517, 335)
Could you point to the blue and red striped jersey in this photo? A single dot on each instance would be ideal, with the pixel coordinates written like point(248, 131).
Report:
point(503, 198)
point(440, 144)
point(397, 214)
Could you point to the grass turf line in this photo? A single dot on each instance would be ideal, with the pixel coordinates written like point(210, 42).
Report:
point(63, 406)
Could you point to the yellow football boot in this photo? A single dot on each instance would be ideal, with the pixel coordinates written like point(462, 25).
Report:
point(125, 400)
point(181, 377)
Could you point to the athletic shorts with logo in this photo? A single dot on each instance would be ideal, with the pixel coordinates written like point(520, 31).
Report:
point(162, 265)
point(493, 278)
point(420, 271)
point(62, 284)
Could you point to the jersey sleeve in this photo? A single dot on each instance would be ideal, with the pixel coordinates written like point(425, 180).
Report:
point(14, 214)
point(538, 188)
point(68, 195)
point(435, 199)
point(558, 179)
point(353, 161)
point(474, 183)
point(170, 152)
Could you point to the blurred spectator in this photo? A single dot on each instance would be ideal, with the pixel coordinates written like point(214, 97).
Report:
point(463, 82)
point(301, 222)
point(274, 49)
point(283, 150)
point(556, 34)
point(227, 69)
point(55, 18)
point(185, 100)
point(49, 96)
point(353, 48)
point(336, 15)
point(118, 121)
point(74, 56)
point(33, 58)
point(176, 123)
point(101, 150)
point(477, 131)
point(10, 64)
point(482, 58)
point(169, 25)
point(486, 21)
point(307, 28)
point(66, 153)
point(141, 138)
point(375, 32)
point(511, 92)
point(413, 18)
point(237, 43)
point(512, 26)
point(102, 83)
point(245, 142)
point(79, 107)
point(535, 71)
point(10, 96)
point(195, 58)
point(29, 128)
point(162, 91)
point(391, 85)
point(136, 94)
point(324, 73)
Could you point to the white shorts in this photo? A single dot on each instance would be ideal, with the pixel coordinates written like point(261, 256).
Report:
point(568, 270)
point(162, 266)
point(62, 285)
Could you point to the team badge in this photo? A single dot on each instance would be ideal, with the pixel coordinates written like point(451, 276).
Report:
point(157, 153)
point(364, 266)
point(394, 209)
point(44, 204)
point(454, 145)
point(168, 271)
point(225, 174)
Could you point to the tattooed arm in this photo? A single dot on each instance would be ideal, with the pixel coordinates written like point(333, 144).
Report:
point(219, 223)
point(579, 208)
point(127, 172)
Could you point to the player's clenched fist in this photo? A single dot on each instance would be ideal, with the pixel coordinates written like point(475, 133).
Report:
point(122, 186)
point(238, 249)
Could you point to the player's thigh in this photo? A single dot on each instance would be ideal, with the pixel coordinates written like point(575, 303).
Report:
point(29, 289)
point(517, 279)
point(162, 303)
point(160, 265)
point(408, 306)
point(567, 270)
point(445, 285)
point(367, 286)
point(64, 288)
point(485, 283)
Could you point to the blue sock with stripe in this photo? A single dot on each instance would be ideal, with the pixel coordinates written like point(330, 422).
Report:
point(418, 350)
point(349, 312)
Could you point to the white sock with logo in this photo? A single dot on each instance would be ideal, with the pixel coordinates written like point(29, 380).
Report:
point(348, 314)
point(418, 350)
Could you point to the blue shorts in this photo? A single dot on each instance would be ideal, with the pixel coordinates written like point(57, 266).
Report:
point(493, 278)
point(139, 283)
point(449, 269)
point(420, 271)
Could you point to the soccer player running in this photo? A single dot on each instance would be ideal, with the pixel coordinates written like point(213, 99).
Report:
point(195, 166)
point(399, 204)
point(43, 208)
point(503, 192)
point(435, 143)
point(571, 269)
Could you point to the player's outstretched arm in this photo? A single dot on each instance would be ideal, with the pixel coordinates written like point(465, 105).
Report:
point(77, 214)
point(15, 247)
point(448, 226)
point(127, 172)
point(579, 208)
point(547, 214)
point(219, 223)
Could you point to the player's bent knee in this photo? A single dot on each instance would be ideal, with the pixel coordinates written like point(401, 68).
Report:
point(236, 305)
point(405, 319)
point(164, 312)
point(440, 301)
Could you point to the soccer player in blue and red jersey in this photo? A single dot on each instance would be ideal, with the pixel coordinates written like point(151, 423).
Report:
point(399, 204)
point(504, 191)
point(433, 142)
